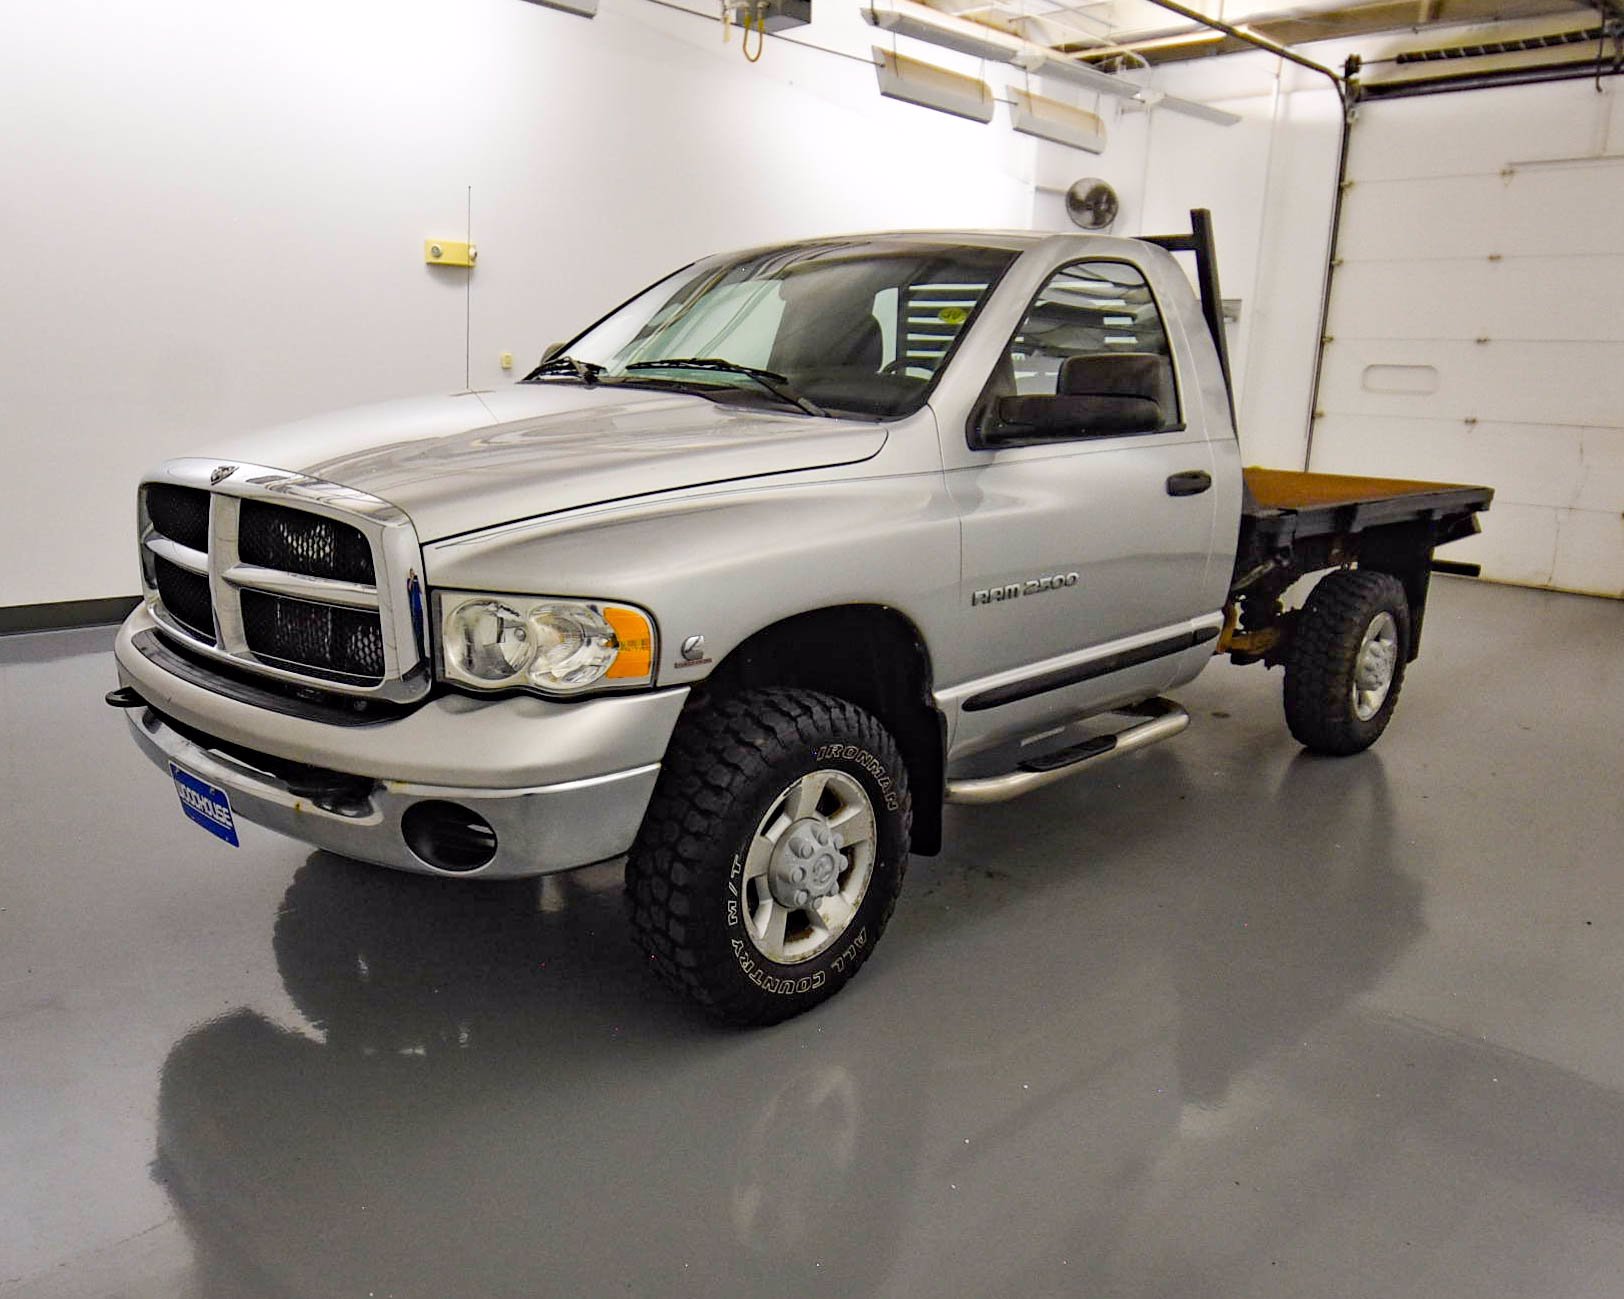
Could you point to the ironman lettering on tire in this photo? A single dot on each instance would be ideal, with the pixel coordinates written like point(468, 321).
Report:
point(772, 853)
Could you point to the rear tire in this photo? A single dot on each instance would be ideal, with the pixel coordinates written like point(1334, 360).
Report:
point(1345, 664)
point(728, 907)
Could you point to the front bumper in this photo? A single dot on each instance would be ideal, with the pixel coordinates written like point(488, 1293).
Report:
point(562, 785)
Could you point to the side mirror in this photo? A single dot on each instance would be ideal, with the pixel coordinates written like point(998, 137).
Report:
point(553, 349)
point(1048, 419)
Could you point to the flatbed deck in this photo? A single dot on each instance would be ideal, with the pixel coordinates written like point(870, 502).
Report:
point(1282, 505)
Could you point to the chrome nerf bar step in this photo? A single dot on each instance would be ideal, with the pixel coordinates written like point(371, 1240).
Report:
point(1161, 719)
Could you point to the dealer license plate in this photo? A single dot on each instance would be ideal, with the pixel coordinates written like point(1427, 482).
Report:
point(206, 804)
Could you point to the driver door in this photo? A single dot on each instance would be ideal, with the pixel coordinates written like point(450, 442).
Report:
point(1080, 567)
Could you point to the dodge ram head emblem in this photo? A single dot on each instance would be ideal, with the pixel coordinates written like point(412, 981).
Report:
point(221, 472)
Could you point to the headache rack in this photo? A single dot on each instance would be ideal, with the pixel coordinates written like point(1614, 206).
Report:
point(286, 575)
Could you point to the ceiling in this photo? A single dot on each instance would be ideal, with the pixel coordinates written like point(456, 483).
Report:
point(1468, 35)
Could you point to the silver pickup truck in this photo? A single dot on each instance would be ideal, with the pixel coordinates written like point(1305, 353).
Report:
point(747, 580)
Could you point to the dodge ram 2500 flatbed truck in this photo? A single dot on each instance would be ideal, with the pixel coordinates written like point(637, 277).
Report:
point(750, 578)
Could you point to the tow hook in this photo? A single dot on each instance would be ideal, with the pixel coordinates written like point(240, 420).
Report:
point(124, 697)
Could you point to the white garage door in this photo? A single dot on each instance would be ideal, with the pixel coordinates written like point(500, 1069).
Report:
point(1477, 320)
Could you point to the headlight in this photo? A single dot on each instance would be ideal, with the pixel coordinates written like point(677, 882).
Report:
point(554, 646)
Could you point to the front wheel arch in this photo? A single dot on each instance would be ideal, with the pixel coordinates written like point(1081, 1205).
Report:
point(871, 655)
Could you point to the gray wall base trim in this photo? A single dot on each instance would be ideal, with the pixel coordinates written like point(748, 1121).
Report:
point(65, 613)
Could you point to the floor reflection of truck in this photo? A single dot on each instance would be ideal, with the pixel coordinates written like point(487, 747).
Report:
point(482, 1100)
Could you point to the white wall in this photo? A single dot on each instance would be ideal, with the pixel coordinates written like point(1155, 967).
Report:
point(214, 214)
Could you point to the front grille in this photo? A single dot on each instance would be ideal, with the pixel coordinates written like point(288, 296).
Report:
point(186, 596)
point(283, 577)
point(180, 513)
point(294, 541)
point(320, 640)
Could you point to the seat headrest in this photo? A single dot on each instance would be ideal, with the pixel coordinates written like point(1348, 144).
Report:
point(829, 342)
point(1120, 374)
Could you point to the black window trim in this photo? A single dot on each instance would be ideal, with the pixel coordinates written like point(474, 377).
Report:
point(979, 411)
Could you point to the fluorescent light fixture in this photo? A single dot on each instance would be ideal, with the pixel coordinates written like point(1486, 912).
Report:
point(925, 84)
point(1043, 63)
point(1049, 119)
point(1206, 112)
point(923, 23)
point(1149, 99)
point(586, 8)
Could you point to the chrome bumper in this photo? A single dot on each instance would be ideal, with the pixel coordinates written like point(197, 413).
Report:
point(562, 785)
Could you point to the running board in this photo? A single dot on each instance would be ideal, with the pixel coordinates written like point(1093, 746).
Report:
point(1162, 720)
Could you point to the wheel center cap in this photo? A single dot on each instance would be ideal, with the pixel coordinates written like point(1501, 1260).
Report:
point(806, 864)
point(1377, 666)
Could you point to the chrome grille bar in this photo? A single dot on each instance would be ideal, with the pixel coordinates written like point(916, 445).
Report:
point(228, 627)
point(300, 586)
point(193, 561)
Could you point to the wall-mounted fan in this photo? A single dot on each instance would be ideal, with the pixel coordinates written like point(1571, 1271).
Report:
point(1092, 204)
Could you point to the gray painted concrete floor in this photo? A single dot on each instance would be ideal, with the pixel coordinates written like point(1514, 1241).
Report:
point(1223, 1019)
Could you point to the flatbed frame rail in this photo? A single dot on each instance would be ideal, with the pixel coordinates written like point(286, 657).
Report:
point(1293, 524)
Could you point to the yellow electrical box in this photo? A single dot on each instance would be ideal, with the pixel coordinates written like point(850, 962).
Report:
point(448, 252)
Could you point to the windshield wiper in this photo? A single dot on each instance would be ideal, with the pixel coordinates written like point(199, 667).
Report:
point(586, 371)
point(776, 384)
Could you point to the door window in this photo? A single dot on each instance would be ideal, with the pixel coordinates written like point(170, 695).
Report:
point(1092, 309)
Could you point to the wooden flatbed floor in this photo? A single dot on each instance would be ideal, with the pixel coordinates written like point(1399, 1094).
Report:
point(1283, 504)
point(1283, 489)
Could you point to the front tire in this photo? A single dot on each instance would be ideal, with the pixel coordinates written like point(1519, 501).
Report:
point(772, 853)
point(1345, 664)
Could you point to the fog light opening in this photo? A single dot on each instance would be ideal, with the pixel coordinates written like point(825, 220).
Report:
point(448, 836)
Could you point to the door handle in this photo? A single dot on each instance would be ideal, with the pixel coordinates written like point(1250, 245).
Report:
point(1192, 482)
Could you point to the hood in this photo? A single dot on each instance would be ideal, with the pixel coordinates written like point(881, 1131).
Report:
point(474, 460)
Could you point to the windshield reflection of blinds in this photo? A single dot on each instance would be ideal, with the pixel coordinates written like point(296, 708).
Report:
point(932, 315)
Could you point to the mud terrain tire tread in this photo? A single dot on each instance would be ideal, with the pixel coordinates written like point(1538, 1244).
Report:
point(709, 796)
point(1320, 660)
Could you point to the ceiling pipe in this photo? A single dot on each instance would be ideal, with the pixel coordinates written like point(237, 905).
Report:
point(1251, 38)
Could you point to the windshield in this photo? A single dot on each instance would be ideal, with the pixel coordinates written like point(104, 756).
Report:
point(854, 328)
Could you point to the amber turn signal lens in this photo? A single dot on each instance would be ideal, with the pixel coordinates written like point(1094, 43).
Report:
point(635, 637)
